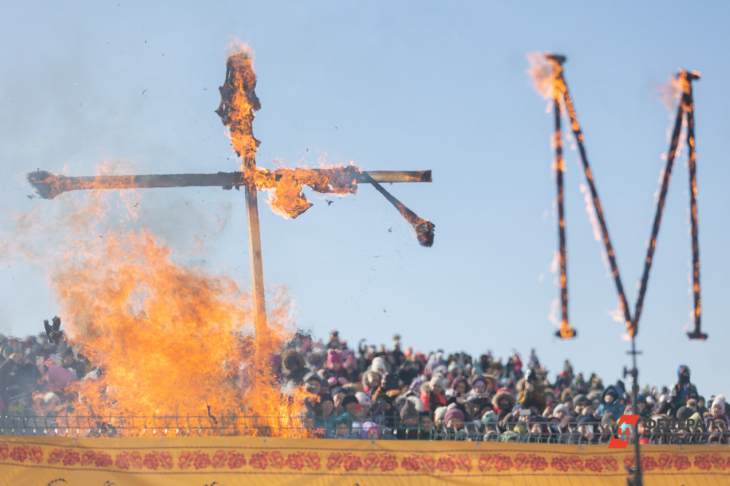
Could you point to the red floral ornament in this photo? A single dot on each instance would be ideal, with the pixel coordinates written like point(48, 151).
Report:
point(71, 458)
point(156, 460)
point(681, 462)
point(87, 458)
point(36, 454)
point(388, 462)
point(236, 460)
point(295, 461)
point(259, 460)
point(102, 459)
point(219, 459)
point(19, 453)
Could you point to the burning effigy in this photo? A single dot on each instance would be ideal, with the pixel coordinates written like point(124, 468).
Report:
point(173, 341)
point(285, 185)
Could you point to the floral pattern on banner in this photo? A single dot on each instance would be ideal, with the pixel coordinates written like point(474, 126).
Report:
point(682, 462)
point(363, 462)
point(594, 464)
point(21, 453)
point(370, 461)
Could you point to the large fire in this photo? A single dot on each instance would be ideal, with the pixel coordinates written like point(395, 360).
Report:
point(168, 340)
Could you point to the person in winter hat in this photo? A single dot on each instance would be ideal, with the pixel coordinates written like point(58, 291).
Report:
point(717, 421)
point(370, 430)
point(371, 380)
point(482, 385)
point(379, 365)
point(293, 366)
point(531, 391)
point(334, 341)
point(438, 416)
point(717, 409)
point(611, 403)
point(474, 405)
point(503, 402)
point(334, 359)
point(408, 428)
point(454, 417)
point(312, 383)
point(683, 389)
point(459, 386)
point(433, 394)
point(642, 407)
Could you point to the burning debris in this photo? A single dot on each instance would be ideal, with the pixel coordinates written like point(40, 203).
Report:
point(424, 229)
point(548, 77)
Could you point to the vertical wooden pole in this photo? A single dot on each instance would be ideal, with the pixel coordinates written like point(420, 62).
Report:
point(566, 331)
point(238, 104)
point(257, 271)
point(661, 201)
point(597, 206)
point(696, 333)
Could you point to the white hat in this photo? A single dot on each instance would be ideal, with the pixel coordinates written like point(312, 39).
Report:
point(363, 398)
point(719, 402)
point(379, 365)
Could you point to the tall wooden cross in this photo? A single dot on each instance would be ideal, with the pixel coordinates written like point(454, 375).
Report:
point(238, 103)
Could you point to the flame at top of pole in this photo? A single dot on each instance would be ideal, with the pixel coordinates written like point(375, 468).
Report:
point(239, 101)
point(546, 72)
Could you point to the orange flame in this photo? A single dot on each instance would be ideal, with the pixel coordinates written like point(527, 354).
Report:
point(285, 185)
point(546, 75)
point(238, 103)
point(169, 340)
point(164, 336)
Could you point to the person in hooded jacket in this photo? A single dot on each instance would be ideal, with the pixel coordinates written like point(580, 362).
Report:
point(683, 389)
point(611, 403)
point(531, 391)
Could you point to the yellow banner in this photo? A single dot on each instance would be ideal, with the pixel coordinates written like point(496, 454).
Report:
point(230, 461)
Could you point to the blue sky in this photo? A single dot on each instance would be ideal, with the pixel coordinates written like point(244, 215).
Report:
point(408, 85)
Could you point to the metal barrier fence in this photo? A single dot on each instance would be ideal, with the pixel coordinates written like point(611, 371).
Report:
point(659, 432)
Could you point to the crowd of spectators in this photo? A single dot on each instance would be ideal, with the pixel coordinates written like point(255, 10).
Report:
point(392, 392)
point(35, 373)
point(395, 392)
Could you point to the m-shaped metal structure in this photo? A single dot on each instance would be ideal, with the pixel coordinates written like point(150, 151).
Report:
point(563, 102)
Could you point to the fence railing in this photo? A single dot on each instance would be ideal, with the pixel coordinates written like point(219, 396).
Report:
point(383, 428)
